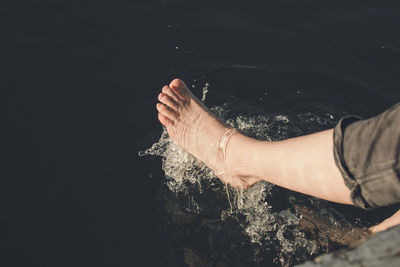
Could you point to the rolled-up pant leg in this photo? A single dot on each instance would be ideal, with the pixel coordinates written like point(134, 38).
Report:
point(367, 153)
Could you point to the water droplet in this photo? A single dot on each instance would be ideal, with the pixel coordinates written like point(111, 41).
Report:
point(205, 91)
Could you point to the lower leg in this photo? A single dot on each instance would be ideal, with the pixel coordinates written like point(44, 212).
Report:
point(304, 164)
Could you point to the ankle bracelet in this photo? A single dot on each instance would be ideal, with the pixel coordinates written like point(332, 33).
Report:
point(222, 144)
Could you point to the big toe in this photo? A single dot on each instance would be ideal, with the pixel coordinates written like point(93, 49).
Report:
point(180, 88)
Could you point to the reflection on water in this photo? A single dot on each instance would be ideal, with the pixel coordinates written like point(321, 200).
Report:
point(209, 224)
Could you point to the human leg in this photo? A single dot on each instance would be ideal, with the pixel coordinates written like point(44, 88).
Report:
point(304, 164)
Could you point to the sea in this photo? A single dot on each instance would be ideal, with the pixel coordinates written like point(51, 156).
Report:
point(91, 178)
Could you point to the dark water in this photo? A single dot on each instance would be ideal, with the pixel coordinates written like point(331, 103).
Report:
point(79, 81)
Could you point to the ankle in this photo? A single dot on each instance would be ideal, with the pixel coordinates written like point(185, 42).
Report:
point(239, 158)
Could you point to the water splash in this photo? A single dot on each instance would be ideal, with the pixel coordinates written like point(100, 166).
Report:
point(205, 91)
point(270, 217)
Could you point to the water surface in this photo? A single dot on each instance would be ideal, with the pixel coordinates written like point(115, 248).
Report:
point(80, 81)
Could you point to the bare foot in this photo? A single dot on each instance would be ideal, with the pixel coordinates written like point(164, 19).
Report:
point(193, 127)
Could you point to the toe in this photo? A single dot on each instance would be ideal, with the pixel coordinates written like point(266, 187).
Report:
point(165, 121)
point(168, 91)
point(169, 101)
point(180, 89)
point(167, 112)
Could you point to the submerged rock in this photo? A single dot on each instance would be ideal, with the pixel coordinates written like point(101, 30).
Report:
point(381, 249)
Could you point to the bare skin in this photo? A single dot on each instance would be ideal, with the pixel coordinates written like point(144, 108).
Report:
point(386, 224)
point(304, 164)
point(193, 127)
